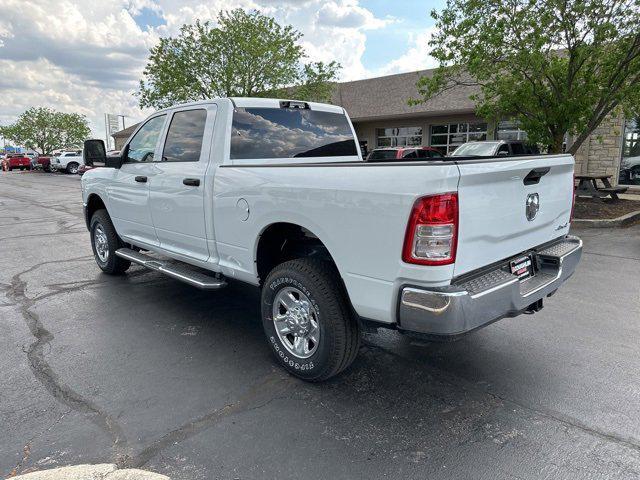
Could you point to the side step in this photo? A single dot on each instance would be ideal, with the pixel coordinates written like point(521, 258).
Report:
point(178, 270)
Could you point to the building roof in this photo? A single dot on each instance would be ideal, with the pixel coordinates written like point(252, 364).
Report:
point(126, 132)
point(387, 97)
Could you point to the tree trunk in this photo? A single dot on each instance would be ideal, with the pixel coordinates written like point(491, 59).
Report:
point(556, 146)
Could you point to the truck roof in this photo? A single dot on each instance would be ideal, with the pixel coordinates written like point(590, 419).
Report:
point(258, 102)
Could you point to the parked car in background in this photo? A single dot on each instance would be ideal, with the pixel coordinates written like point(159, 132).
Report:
point(16, 160)
point(403, 153)
point(495, 148)
point(33, 156)
point(630, 170)
point(44, 162)
point(68, 161)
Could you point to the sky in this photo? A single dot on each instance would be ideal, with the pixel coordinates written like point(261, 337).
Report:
point(87, 56)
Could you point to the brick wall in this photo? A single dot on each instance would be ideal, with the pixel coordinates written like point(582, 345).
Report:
point(600, 153)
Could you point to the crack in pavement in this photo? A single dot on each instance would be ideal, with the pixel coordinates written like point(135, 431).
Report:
point(259, 396)
point(45, 374)
point(553, 415)
point(26, 450)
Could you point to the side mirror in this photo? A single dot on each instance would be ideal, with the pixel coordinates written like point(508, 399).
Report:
point(94, 153)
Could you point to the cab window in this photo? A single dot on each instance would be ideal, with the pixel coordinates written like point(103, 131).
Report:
point(143, 144)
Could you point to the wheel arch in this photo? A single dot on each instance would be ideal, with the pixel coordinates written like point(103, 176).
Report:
point(278, 242)
point(94, 203)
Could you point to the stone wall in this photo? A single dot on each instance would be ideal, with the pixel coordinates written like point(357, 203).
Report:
point(600, 153)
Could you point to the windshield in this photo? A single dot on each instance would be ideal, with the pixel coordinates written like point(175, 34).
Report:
point(383, 155)
point(481, 149)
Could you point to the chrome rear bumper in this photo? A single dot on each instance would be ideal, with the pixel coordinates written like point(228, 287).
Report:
point(488, 295)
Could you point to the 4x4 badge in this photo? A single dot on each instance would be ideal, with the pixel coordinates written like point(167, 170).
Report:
point(532, 206)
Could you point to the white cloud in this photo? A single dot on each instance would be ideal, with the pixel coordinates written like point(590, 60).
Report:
point(87, 56)
point(415, 58)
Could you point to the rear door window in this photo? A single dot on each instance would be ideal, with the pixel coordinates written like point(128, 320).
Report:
point(184, 138)
point(410, 154)
point(259, 133)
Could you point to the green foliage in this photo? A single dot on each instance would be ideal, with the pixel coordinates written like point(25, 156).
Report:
point(45, 130)
point(246, 54)
point(555, 66)
point(317, 82)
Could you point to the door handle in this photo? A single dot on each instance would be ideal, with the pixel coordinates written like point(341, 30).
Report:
point(141, 179)
point(192, 182)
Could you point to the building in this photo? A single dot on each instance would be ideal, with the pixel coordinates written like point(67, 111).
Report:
point(122, 136)
point(382, 116)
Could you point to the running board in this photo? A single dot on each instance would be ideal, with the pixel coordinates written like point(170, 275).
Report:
point(180, 271)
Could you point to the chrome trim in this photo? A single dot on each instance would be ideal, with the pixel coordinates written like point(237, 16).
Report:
point(178, 272)
point(453, 310)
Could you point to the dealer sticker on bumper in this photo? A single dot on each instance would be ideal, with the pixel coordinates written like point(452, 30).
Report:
point(522, 267)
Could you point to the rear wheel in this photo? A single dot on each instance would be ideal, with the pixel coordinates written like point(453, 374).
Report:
point(105, 242)
point(73, 168)
point(307, 319)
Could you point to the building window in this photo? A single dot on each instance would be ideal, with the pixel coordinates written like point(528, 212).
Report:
point(630, 163)
point(399, 137)
point(446, 138)
point(508, 130)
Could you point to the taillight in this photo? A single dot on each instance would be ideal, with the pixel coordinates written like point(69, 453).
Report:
point(432, 232)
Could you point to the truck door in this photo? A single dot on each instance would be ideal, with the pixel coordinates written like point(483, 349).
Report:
point(129, 190)
point(177, 191)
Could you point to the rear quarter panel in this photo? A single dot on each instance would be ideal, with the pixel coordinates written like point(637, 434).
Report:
point(359, 212)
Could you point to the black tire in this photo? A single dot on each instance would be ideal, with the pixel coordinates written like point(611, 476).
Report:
point(112, 264)
point(72, 167)
point(339, 332)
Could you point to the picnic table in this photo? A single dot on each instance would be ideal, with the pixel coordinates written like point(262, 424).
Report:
point(588, 187)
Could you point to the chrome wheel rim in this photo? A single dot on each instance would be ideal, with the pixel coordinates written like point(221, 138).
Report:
point(101, 242)
point(296, 322)
point(73, 169)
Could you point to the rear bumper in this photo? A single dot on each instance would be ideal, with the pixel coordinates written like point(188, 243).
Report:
point(488, 295)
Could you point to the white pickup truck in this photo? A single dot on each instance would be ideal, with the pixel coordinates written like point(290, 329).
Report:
point(275, 193)
point(68, 162)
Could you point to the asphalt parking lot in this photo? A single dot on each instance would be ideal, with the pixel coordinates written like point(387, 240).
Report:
point(148, 372)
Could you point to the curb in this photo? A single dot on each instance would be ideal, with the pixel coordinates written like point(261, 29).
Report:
point(102, 471)
point(622, 221)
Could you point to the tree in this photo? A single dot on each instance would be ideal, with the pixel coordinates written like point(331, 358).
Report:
point(247, 54)
point(555, 66)
point(45, 130)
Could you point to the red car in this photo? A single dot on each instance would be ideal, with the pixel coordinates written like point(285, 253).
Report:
point(44, 163)
point(403, 153)
point(16, 160)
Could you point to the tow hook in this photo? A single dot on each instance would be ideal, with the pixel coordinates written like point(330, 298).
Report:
point(534, 307)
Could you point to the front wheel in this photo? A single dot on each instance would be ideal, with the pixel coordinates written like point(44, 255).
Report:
point(105, 242)
point(307, 319)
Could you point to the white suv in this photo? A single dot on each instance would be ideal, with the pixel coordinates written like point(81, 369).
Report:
point(68, 161)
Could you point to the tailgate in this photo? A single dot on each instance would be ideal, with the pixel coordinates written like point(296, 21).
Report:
point(493, 196)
